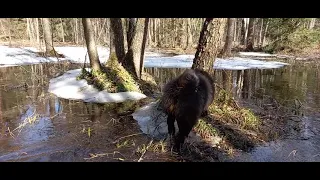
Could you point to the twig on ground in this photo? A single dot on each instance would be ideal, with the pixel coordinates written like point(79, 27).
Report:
point(144, 152)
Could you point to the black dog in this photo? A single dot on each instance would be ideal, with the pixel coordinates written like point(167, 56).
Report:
point(185, 99)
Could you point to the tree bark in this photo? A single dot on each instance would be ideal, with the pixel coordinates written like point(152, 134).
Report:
point(118, 39)
point(37, 31)
point(183, 33)
point(209, 43)
point(260, 33)
point(28, 30)
point(243, 32)
point(189, 32)
point(226, 51)
point(112, 46)
point(47, 35)
point(265, 33)
point(62, 30)
point(9, 32)
point(250, 36)
point(143, 47)
point(235, 30)
point(135, 37)
point(91, 46)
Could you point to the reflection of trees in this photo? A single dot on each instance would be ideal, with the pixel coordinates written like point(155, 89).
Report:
point(284, 84)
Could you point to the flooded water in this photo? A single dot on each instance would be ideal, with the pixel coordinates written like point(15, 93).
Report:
point(37, 126)
point(296, 88)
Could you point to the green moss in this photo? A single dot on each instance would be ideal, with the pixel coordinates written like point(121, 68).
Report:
point(122, 78)
point(205, 130)
point(113, 78)
point(226, 109)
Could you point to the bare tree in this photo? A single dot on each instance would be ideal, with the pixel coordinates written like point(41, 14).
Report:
point(189, 32)
point(209, 43)
point(143, 47)
point(91, 45)
point(9, 32)
point(250, 36)
point(134, 38)
point(226, 51)
point(118, 38)
point(62, 29)
point(260, 33)
point(265, 32)
point(47, 33)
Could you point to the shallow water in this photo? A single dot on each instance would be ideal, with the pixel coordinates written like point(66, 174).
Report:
point(296, 88)
point(60, 131)
point(56, 129)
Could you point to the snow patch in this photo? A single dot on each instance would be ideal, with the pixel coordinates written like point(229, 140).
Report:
point(256, 54)
point(152, 121)
point(28, 55)
point(68, 87)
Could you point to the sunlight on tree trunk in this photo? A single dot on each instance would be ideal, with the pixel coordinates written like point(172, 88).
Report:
point(144, 40)
point(209, 43)
point(91, 45)
point(250, 36)
point(118, 39)
point(226, 51)
point(47, 33)
point(135, 37)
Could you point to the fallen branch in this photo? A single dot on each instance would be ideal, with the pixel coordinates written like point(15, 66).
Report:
point(144, 152)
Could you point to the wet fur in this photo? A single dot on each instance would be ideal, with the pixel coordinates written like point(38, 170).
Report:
point(185, 99)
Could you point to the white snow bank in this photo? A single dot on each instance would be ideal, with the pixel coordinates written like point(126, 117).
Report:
point(236, 63)
point(10, 56)
point(151, 121)
point(256, 54)
point(68, 87)
point(27, 55)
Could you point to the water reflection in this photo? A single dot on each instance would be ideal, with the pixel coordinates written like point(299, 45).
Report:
point(296, 82)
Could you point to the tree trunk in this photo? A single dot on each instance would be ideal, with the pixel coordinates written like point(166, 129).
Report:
point(76, 39)
point(143, 47)
point(226, 51)
point(235, 30)
point(132, 22)
point(312, 23)
point(62, 30)
point(183, 33)
point(111, 44)
point(91, 45)
point(135, 37)
point(37, 31)
point(227, 80)
point(117, 31)
point(260, 33)
point(209, 43)
point(9, 32)
point(155, 32)
point(265, 33)
point(28, 30)
point(47, 35)
point(2, 28)
point(250, 36)
point(243, 32)
point(189, 32)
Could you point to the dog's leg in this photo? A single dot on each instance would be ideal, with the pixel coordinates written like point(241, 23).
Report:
point(171, 129)
point(184, 129)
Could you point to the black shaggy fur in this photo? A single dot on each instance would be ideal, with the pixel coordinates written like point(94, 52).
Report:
point(185, 99)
